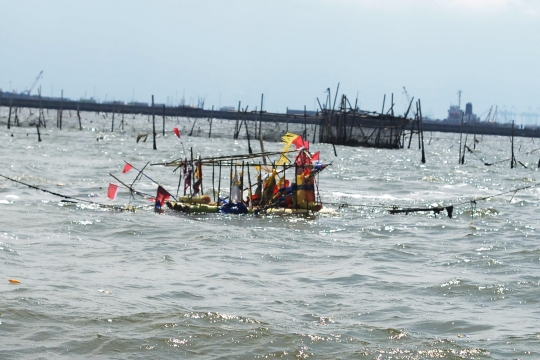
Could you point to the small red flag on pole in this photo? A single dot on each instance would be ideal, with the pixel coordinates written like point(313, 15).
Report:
point(127, 167)
point(111, 193)
point(177, 133)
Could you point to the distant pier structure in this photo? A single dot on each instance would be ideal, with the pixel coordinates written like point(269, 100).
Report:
point(338, 123)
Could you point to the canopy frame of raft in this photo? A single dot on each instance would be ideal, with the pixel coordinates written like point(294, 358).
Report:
point(300, 197)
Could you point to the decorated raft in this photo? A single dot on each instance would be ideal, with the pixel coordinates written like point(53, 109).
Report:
point(283, 182)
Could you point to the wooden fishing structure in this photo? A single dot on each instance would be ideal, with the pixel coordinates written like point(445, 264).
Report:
point(348, 125)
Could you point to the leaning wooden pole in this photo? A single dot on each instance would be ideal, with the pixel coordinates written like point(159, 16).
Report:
point(112, 122)
point(38, 134)
point(237, 127)
point(9, 116)
point(154, 123)
point(421, 130)
point(61, 108)
point(512, 159)
point(211, 120)
point(163, 120)
point(79, 116)
point(460, 138)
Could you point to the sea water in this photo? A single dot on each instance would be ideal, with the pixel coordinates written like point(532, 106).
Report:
point(352, 282)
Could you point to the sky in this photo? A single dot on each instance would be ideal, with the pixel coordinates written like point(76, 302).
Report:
point(289, 50)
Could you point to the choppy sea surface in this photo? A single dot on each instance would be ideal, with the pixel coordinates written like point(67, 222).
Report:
point(353, 282)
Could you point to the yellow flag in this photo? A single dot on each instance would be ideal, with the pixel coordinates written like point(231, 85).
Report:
point(287, 140)
point(283, 160)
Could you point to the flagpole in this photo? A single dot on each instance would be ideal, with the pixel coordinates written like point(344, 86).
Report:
point(149, 178)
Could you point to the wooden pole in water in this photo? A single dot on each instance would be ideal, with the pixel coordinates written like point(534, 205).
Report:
point(9, 116)
point(213, 185)
point(250, 195)
point(512, 159)
point(123, 112)
point(237, 126)
point(242, 183)
point(163, 120)
point(219, 183)
point(187, 172)
point(154, 123)
point(38, 134)
point(460, 138)
point(421, 130)
point(230, 182)
point(199, 165)
point(211, 120)
point(465, 143)
point(112, 122)
point(191, 174)
point(79, 117)
point(247, 133)
point(61, 107)
point(179, 183)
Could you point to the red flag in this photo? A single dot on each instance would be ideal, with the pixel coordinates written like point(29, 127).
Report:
point(177, 133)
point(127, 167)
point(315, 157)
point(111, 193)
point(162, 196)
point(298, 142)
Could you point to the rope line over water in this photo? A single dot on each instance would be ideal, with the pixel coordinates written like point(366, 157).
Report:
point(394, 209)
point(116, 207)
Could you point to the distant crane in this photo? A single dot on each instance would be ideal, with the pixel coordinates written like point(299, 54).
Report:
point(31, 87)
point(408, 98)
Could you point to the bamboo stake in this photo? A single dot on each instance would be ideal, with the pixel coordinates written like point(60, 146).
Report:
point(187, 173)
point(211, 120)
point(179, 183)
point(460, 138)
point(247, 133)
point(112, 122)
point(163, 120)
point(199, 166)
point(61, 107)
point(219, 184)
point(250, 195)
point(513, 159)
point(466, 137)
point(236, 126)
point(79, 117)
point(9, 116)
point(38, 134)
point(421, 129)
point(230, 182)
point(242, 183)
point(154, 123)
point(213, 185)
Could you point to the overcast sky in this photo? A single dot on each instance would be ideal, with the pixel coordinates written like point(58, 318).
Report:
point(290, 50)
